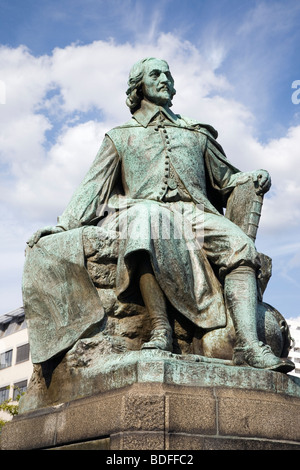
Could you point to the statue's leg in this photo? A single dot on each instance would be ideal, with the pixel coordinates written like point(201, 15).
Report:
point(155, 302)
point(234, 253)
point(240, 290)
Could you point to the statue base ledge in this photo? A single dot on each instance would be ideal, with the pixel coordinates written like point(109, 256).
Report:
point(155, 401)
point(81, 374)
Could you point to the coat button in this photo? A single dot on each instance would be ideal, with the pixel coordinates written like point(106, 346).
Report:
point(172, 183)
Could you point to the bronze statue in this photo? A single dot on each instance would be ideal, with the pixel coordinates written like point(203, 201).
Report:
point(161, 181)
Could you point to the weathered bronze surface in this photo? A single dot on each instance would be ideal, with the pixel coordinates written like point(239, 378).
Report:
point(144, 258)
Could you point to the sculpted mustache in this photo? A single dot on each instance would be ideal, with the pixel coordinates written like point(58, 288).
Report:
point(164, 87)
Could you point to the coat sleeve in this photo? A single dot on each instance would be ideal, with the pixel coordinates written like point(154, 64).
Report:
point(91, 196)
point(223, 176)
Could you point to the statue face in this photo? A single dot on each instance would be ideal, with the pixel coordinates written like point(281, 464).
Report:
point(157, 82)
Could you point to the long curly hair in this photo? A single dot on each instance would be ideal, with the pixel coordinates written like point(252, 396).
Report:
point(134, 91)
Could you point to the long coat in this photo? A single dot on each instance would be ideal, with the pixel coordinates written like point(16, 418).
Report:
point(131, 169)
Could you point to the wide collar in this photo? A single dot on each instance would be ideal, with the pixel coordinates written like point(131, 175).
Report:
point(148, 111)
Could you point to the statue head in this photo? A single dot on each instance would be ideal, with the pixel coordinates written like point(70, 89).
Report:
point(150, 78)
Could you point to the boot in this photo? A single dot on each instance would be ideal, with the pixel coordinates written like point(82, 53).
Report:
point(154, 299)
point(160, 339)
point(240, 291)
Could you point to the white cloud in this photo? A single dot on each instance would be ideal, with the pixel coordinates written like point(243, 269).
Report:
point(2, 92)
point(46, 190)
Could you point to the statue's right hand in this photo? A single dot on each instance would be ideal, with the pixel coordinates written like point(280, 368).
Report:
point(42, 232)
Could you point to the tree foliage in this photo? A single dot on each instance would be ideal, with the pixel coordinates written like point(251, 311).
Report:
point(11, 407)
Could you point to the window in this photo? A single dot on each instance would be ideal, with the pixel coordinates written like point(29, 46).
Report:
point(22, 353)
point(4, 393)
point(19, 388)
point(5, 359)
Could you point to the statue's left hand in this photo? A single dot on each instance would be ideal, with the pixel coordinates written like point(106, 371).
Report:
point(42, 233)
point(263, 181)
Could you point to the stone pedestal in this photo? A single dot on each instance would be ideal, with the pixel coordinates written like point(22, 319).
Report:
point(160, 401)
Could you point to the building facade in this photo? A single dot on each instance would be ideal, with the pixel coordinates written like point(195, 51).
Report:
point(15, 363)
point(294, 355)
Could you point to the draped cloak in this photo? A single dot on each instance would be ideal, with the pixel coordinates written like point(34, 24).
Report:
point(129, 176)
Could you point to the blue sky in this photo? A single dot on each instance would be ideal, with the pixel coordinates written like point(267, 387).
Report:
point(63, 74)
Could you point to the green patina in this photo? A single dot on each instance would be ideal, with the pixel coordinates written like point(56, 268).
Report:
point(162, 167)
